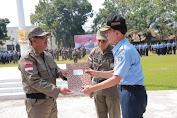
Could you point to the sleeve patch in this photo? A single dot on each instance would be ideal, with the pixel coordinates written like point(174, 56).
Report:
point(90, 58)
point(28, 67)
point(120, 59)
point(27, 62)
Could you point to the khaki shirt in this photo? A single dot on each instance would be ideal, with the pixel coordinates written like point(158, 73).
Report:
point(102, 61)
point(39, 73)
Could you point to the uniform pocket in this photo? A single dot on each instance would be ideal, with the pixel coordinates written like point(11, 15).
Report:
point(53, 68)
point(30, 102)
point(43, 73)
point(39, 102)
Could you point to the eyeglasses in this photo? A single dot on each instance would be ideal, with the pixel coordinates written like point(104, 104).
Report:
point(41, 37)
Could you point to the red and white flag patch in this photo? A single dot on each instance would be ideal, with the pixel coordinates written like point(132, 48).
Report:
point(28, 67)
point(90, 58)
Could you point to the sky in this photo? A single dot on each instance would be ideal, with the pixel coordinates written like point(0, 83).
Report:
point(8, 9)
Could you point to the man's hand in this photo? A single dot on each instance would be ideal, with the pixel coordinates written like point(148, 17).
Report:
point(66, 91)
point(64, 72)
point(91, 95)
point(86, 89)
point(93, 73)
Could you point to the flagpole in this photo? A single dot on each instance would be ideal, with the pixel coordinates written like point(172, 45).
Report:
point(22, 32)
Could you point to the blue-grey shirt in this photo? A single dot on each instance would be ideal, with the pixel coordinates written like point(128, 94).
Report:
point(127, 64)
point(174, 44)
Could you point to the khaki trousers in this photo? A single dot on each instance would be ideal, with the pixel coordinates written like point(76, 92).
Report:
point(107, 105)
point(41, 108)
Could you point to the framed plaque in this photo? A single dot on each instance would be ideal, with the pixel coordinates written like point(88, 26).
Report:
point(76, 76)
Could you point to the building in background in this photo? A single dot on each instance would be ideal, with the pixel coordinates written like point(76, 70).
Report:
point(12, 44)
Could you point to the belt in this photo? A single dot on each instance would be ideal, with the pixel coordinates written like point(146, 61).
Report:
point(131, 87)
point(36, 96)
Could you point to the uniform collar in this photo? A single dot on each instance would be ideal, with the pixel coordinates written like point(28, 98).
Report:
point(34, 51)
point(114, 50)
point(106, 51)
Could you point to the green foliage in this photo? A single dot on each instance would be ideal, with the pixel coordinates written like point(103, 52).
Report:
point(64, 18)
point(3, 30)
point(143, 17)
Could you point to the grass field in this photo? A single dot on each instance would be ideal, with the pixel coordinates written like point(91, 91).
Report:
point(160, 71)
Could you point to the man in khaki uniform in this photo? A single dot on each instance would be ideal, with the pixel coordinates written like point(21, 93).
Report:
point(39, 73)
point(101, 59)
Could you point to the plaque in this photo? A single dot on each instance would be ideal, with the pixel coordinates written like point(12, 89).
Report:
point(76, 76)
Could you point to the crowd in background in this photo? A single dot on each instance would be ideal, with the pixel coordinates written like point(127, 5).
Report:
point(156, 48)
point(77, 53)
point(8, 57)
point(68, 53)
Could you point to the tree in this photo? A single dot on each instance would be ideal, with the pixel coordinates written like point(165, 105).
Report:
point(142, 16)
point(3, 30)
point(64, 18)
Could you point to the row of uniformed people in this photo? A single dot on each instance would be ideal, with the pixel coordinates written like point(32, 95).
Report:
point(67, 53)
point(8, 57)
point(142, 49)
point(164, 48)
point(78, 53)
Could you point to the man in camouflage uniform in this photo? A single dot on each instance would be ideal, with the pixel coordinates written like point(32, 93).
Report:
point(83, 52)
point(39, 73)
point(101, 59)
point(63, 53)
point(15, 58)
point(57, 54)
point(75, 55)
point(79, 53)
point(70, 53)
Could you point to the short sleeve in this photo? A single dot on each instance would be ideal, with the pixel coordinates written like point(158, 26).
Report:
point(122, 63)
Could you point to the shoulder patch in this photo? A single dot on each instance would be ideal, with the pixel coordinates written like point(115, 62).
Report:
point(115, 61)
point(28, 67)
point(120, 58)
point(90, 58)
point(121, 53)
point(121, 47)
point(27, 62)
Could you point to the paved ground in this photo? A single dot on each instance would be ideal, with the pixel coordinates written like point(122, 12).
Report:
point(161, 104)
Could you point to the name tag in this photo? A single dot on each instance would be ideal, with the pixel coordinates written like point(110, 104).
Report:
point(78, 72)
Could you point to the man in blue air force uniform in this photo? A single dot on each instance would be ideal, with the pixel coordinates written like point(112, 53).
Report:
point(127, 71)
